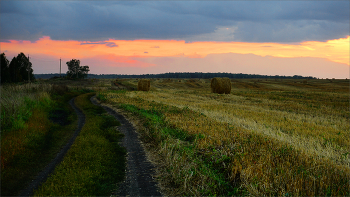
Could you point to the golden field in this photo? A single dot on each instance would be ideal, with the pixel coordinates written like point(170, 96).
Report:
point(267, 137)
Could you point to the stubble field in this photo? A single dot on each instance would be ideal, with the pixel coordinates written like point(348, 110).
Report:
point(268, 137)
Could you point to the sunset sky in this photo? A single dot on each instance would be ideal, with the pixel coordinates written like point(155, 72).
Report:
point(309, 38)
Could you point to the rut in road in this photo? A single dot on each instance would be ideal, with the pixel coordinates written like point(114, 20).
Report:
point(139, 180)
point(42, 176)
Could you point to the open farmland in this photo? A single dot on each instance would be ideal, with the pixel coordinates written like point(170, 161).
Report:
point(268, 137)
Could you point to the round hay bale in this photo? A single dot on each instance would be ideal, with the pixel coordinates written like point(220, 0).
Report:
point(143, 85)
point(221, 85)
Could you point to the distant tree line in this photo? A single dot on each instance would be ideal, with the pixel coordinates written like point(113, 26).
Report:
point(18, 70)
point(199, 75)
point(183, 75)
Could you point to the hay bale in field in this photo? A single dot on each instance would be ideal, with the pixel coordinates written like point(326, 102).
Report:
point(221, 85)
point(144, 85)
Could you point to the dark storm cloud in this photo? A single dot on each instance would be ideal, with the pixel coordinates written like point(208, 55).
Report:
point(250, 21)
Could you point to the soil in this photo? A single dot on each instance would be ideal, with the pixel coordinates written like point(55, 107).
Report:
point(139, 180)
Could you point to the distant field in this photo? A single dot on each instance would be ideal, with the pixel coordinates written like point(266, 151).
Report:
point(268, 137)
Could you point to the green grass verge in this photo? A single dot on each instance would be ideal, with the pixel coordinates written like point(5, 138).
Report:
point(27, 150)
point(95, 162)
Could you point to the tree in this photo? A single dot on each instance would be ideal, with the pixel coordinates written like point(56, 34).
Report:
point(5, 73)
point(76, 71)
point(13, 70)
point(20, 69)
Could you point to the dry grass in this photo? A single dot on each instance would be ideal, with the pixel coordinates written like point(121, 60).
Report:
point(281, 136)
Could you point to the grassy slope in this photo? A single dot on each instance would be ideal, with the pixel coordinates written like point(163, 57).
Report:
point(243, 155)
point(95, 162)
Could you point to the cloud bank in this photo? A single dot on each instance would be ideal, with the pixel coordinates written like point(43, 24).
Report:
point(245, 21)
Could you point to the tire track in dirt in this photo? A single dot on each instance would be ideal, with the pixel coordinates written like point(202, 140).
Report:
point(138, 180)
point(42, 176)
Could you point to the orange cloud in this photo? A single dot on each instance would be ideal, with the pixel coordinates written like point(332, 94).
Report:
point(125, 50)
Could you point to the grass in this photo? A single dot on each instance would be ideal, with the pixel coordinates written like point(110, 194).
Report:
point(267, 137)
point(18, 102)
point(160, 133)
point(29, 139)
point(95, 162)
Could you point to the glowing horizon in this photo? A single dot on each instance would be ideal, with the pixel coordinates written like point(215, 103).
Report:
point(328, 59)
point(124, 50)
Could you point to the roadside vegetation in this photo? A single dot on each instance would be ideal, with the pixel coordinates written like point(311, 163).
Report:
point(268, 137)
point(36, 120)
point(95, 163)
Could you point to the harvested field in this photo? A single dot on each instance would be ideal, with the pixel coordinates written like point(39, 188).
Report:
point(265, 138)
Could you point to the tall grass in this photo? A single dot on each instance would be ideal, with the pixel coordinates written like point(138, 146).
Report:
point(29, 138)
point(18, 101)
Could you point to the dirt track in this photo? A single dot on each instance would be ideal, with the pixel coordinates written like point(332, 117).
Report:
point(139, 180)
point(42, 176)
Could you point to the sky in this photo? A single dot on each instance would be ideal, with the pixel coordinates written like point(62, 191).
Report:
point(308, 38)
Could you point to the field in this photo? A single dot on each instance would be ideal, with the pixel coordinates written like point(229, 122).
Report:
point(268, 137)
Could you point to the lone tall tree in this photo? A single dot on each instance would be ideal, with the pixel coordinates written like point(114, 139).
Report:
point(76, 71)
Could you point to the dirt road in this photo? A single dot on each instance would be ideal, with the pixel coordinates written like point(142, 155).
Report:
point(139, 180)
